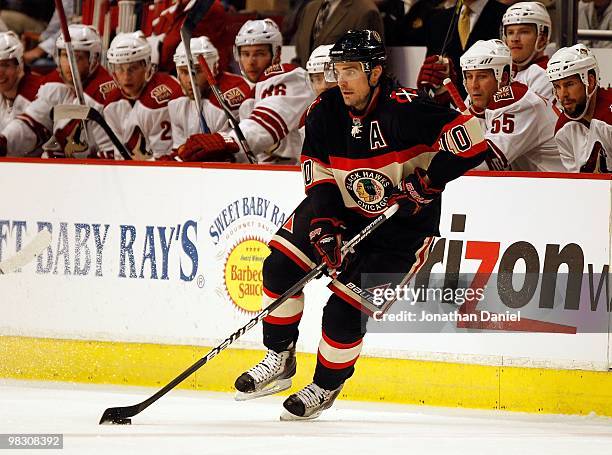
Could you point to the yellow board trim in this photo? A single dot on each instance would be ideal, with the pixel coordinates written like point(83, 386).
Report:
point(376, 379)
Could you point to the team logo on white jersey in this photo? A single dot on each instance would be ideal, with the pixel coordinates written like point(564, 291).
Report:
point(367, 188)
point(234, 97)
point(504, 93)
point(161, 94)
point(106, 88)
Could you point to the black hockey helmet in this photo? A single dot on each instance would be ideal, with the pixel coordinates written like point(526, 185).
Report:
point(365, 46)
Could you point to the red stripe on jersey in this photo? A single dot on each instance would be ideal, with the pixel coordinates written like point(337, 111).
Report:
point(289, 254)
point(274, 295)
point(377, 162)
point(269, 129)
point(496, 164)
point(335, 366)
point(275, 320)
point(270, 120)
point(275, 115)
point(304, 158)
point(337, 345)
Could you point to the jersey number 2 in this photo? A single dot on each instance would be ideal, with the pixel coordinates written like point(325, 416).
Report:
point(167, 132)
point(504, 124)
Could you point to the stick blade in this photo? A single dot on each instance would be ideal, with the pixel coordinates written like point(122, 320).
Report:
point(27, 253)
point(70, 112)
point(119, 416)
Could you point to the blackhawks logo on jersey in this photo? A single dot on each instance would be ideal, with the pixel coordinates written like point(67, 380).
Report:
point(367, 188)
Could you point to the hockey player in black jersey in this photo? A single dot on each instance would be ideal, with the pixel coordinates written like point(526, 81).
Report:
point(368, 145)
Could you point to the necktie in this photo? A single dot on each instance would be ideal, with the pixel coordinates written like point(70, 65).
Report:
point(321, 18)
point(464, 25)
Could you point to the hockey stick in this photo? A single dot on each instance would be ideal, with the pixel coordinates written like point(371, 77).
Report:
point(455, 96)
point(76, 76)
point(197, 10)
point(451, 26)
point(77, 112)
point(230, 117)
point(449, 32)
point(41, 241)
point(121, 415)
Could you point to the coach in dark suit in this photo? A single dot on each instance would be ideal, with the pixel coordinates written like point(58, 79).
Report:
point(480, 19)
point(324, 21)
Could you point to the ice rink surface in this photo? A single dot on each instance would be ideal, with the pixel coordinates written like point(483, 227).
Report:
point(185, 422)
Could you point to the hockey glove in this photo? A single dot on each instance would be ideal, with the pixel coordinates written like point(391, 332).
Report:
point(326, 238)
point(433, 72)
point(209, 147)
point(414, 193)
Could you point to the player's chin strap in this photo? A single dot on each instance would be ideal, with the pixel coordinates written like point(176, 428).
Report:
point(586, 105)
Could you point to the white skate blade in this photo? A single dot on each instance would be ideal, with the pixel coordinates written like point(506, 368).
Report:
point(286, 416)
point(273, 387)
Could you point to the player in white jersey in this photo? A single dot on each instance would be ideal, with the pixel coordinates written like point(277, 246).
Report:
point(519, 125)
point(270, 118)
point(139, 115)
point(584, 129)
point(31, 129)
point(526, 28)
point(183, 111)
point(18, 86)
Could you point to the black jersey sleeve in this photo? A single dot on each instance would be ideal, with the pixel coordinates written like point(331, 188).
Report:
point(319, 181)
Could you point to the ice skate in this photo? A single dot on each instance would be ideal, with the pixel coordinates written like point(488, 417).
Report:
point(272, 375)
point(309, 403)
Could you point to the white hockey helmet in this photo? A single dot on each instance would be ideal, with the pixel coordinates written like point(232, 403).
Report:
point(575, 60)
point(199, 46)
point(317, 60)
point(567, 61)
point(128, 48)
point(491, 54)
point(263, 31)
point(84, 38)
point(528, 13)
point(11, 47)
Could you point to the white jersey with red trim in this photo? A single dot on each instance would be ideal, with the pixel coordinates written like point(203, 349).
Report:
point(534, 76)
point(26, 93)
point(270, 119)
point(34, 126)
point(143, 125)
point(587, 146)
point(184, 114)
point(520, 129)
